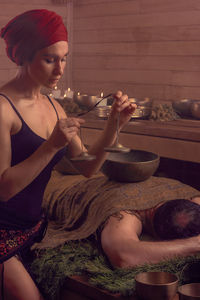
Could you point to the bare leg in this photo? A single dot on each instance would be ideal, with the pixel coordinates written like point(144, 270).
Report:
point(120, 242)
point(18, 285)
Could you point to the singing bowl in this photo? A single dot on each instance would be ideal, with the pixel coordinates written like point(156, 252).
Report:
point(134, 166)
point(190, 291)
point(156, 285)
point(146, 102)
point(195, 109)
point(86, 100)
point(183, 106)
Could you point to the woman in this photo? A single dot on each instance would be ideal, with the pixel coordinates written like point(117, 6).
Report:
point(34, 135)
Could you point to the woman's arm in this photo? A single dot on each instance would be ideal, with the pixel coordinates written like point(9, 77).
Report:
point(14, 179)
point(106, 138)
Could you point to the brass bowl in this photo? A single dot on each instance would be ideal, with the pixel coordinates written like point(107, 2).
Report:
point(156, 285)
point(183, 107)
point(86, 100)
point(134, 166)
point(146, 102)
point(141, 112)
point(195, 109)
point(102, 111)
point(190, 291)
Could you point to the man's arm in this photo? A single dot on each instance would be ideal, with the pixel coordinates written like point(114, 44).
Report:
point(120, 242)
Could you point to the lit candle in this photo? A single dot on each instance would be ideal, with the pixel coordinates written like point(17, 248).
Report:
point(103, 102)
point(69, 93)
point(78, 94)
point(56, 93)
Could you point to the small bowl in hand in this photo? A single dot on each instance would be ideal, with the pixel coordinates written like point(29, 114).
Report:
point(190, 291)
point(156, 285)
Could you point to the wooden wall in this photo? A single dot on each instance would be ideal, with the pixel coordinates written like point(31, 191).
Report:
point(11, 8)
point(148, 48)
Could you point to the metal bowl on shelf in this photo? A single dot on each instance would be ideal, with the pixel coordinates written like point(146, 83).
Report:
point(187, 107)
point(141, 112)
point(146, 102)
point(183, 107)
point(144, 107)
point(195, 109)
point(102, 111)
point(85, 100)
point(134, 166)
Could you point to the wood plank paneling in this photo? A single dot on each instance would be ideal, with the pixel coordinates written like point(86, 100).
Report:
point(18, 2)
point(147, 48)
point(9, 10)
point(139, 34)
point(86, 2)
point(186, 78)
point(112, 9)
point(161, 6)
point(129, 76)
point(141, 20)
point(142, 48)
point(106, 62)
point(180, 92)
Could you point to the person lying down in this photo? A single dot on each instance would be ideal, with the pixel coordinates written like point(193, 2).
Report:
point(117, 214)
point(175, 224)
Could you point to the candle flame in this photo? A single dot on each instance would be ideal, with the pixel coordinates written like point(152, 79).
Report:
point(101, 94)
point(78, 93)
point(68, 89)
point(55, 88)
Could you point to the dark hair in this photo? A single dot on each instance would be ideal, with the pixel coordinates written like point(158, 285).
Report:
point(176, 219)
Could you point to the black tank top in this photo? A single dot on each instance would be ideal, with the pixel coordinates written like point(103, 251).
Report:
point(24, 209)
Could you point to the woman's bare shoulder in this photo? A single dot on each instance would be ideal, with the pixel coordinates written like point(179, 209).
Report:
point(6, 110)
point(59, 108)
point(4, 93)
point(3, 100)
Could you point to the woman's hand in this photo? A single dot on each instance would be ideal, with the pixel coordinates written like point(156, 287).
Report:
point(64, 131)
point(123, 106)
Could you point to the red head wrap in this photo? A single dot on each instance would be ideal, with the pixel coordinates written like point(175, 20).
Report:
point(32, 31)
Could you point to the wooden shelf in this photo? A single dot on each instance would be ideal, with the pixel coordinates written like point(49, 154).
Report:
point(179, 139)
point(183, 129)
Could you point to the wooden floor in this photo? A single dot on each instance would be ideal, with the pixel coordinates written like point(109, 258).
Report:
point(76, 288)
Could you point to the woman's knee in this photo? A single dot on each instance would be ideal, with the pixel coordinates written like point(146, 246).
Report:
point(18, 284)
